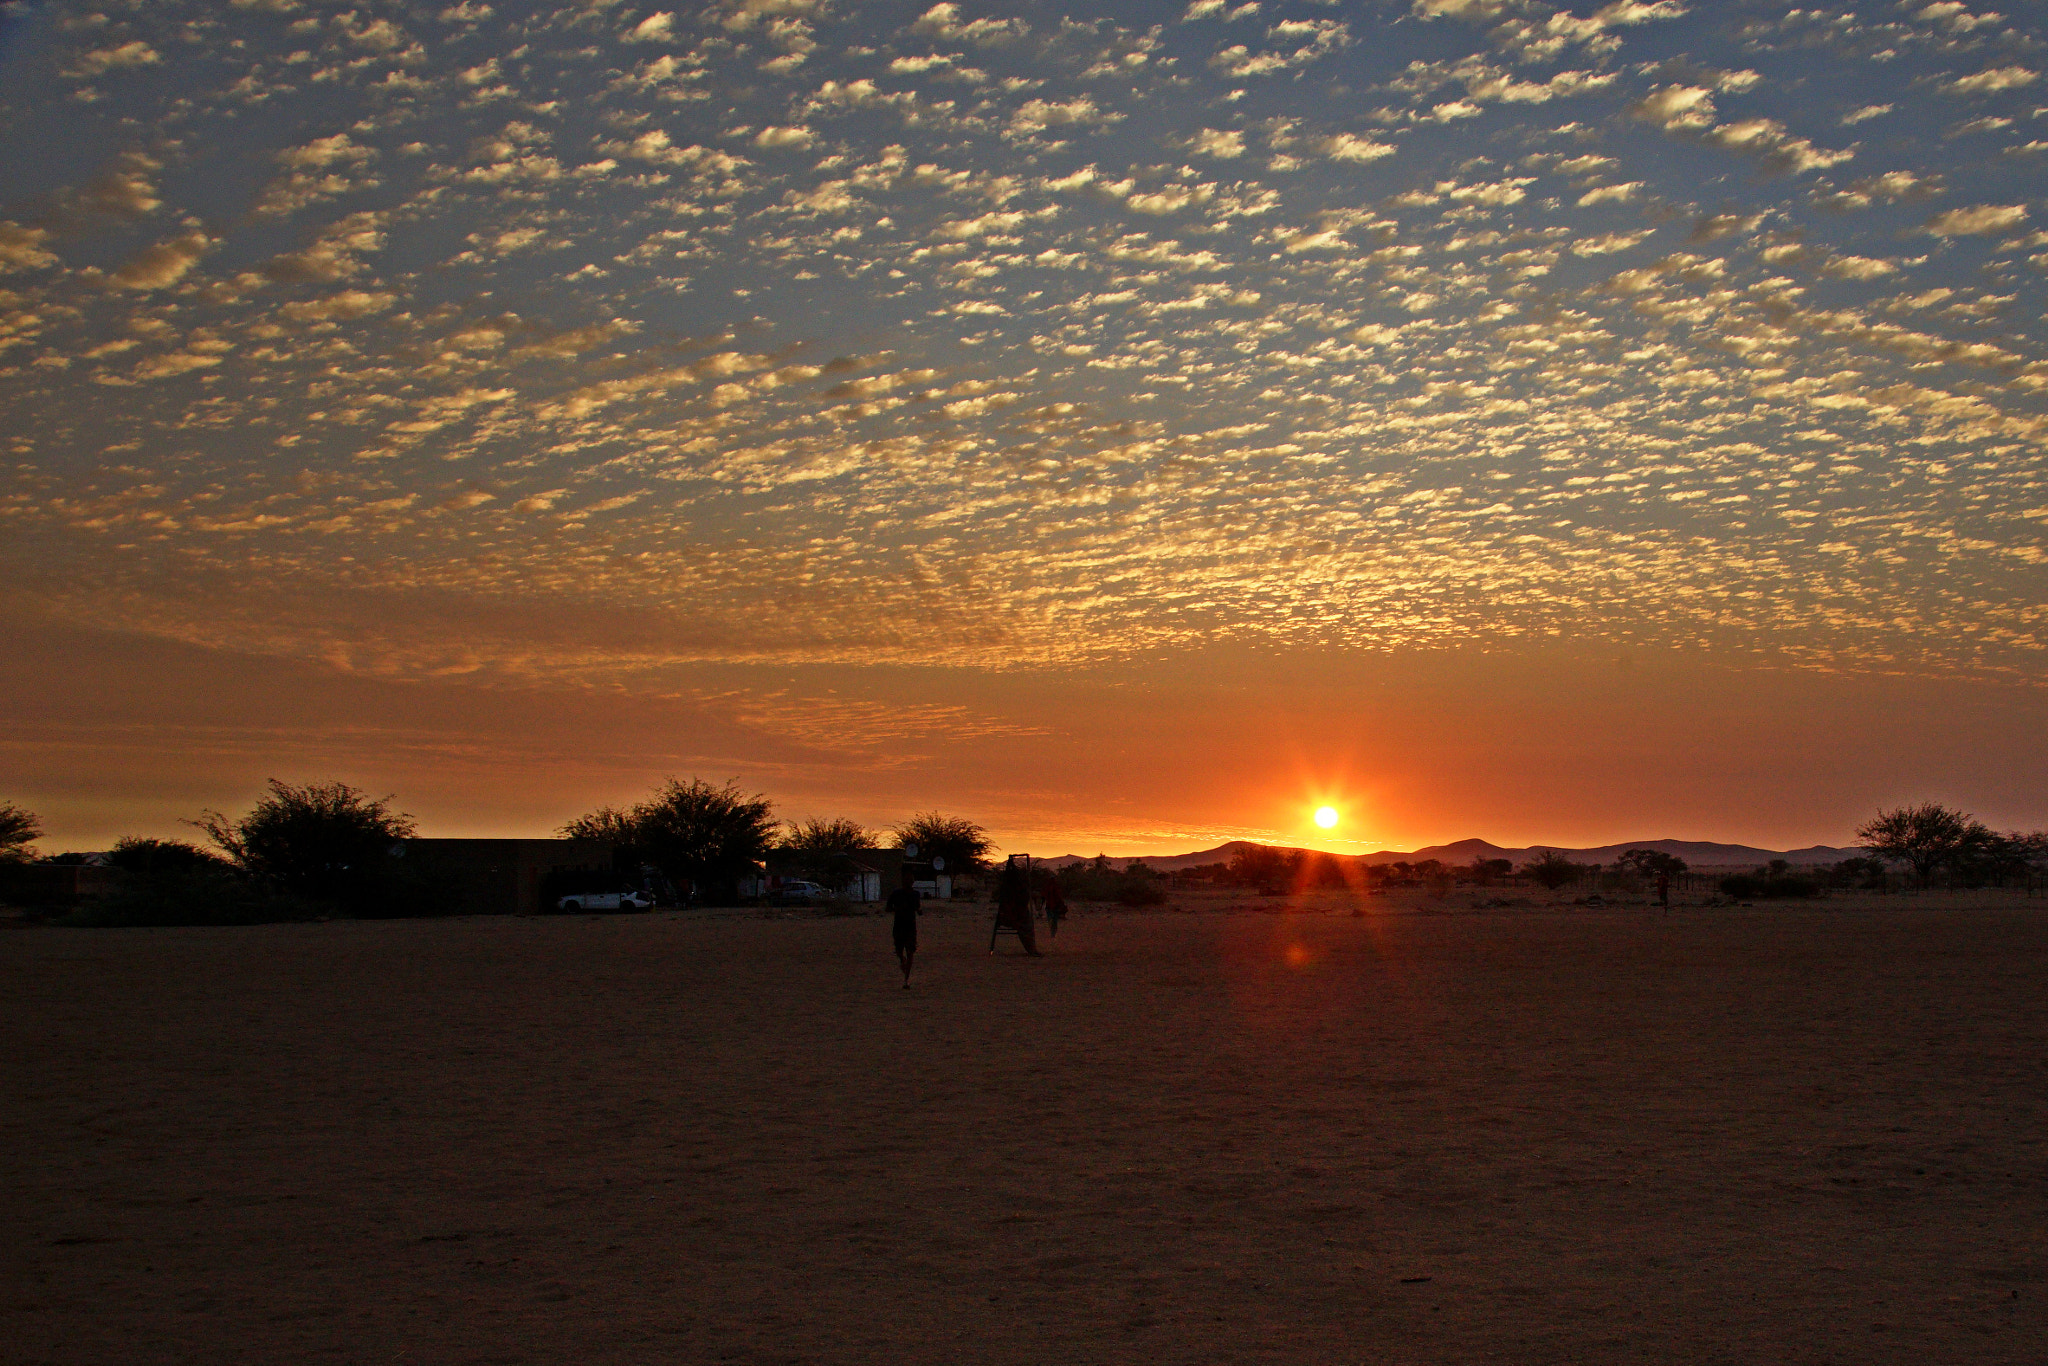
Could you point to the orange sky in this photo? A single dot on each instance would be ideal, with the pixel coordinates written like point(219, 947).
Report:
point(117, 735)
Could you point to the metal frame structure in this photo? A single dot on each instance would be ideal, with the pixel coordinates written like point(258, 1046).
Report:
point(1034, 904)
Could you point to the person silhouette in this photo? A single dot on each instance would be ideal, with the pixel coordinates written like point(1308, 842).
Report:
point(905, 905)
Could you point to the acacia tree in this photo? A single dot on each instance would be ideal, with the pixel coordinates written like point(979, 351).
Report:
point(19, 829)
point(1264, 867)
point(824, 849)
point(964, 845)
point(1552, 869)
point(702, 837)
point(330, 841)
point(1927, 837)
point(608, 825)
point(1650, 864)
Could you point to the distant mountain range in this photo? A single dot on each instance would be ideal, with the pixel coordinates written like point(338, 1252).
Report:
point(1696, 853)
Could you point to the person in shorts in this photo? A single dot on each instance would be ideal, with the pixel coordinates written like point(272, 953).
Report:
point(904, 908)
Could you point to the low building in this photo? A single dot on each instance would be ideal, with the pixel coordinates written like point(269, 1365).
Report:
point(870, 875)
point(505, 876)
point(55, 884)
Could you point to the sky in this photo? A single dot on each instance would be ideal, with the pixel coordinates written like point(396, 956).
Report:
point(1128, 426)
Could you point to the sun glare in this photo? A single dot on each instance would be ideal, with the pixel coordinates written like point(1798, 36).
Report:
point(1326, 817)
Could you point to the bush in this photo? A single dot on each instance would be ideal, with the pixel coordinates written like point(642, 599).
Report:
point(1264, 867)
point(1099, 880)
point(133, 855)
point(1141, 892)
point(1553, 870)
point(193, 896)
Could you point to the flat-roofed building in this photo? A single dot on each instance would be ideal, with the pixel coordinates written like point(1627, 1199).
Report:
point(505, 876)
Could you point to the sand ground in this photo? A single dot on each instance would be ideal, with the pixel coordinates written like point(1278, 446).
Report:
point(1430, 1134)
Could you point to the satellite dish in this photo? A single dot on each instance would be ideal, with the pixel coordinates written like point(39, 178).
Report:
point(398, 850)
point(910, 851)
point(938, 863)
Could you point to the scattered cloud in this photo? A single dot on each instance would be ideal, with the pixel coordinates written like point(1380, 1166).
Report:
point(1210, 142)
point(655, 28)
point(1978, 218)
point(163, 264)
point(21, 248)
point(1351, 147)
point(943, 22)
point(1994, 79)
point(1002, 312)
point(100, 61)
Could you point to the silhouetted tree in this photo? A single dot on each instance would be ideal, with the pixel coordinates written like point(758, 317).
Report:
point(1261, 866)
point(824, 849)
point(2013, 856)
point(700, 836)
point(18, 830)
point(1101, 880)
point(324, 840)
point(1650, 864)
point(1485, 871)
point(608, 825)
point(964, 845)
point(171, 882)
point(1552, 869)
point(1927, 837)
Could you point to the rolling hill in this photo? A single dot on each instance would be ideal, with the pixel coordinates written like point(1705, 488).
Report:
point(1696, 853)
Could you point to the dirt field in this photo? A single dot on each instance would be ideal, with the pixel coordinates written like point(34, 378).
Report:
point(1430, 1134)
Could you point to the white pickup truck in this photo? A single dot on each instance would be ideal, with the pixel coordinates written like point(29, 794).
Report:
point(606, 901)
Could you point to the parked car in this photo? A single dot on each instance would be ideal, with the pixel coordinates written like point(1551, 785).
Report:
point(606, 901)
point(796, 889)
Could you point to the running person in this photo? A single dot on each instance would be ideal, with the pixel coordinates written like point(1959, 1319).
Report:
point(906, 906)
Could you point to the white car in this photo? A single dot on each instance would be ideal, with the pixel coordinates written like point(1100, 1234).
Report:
point(796, 889)
point(606, 901)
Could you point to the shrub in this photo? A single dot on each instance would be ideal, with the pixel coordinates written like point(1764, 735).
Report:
point(133, 855)
point(199, 895)
point(1553, 870)
point(1100, 880)
point(1264, 867)
point(1140, 891)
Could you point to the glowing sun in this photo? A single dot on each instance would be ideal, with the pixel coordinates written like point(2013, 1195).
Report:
point(1326, 817)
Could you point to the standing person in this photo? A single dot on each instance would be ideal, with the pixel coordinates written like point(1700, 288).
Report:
point(905, 906)
point(1664, 889)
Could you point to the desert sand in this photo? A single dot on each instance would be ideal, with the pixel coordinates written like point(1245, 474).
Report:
point(1433, 1133)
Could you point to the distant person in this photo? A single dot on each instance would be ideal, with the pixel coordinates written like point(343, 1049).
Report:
point(1664, 890)
point(905, 906)
point(1055, 903)
point(1013, 908)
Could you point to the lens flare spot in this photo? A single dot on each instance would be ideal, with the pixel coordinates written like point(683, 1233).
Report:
point(1326, 817)
point(1297, 955)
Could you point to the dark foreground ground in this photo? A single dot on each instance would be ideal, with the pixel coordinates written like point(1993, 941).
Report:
point(1524, 1135)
